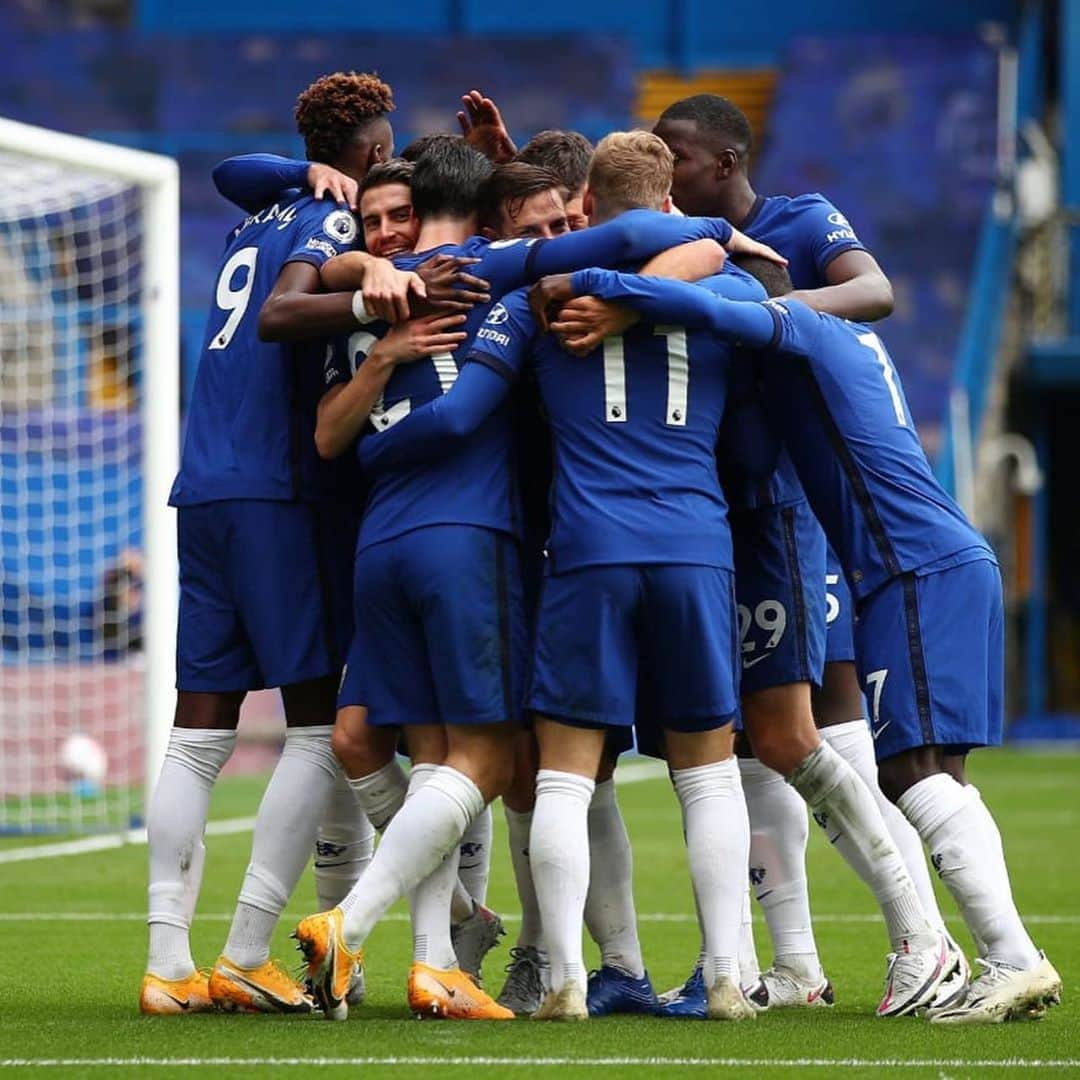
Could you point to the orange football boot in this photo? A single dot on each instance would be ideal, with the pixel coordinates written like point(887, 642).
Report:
point(450, 995)
point(171, 997)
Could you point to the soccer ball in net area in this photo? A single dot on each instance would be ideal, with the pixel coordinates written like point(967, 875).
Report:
point(88, 446)
point(84, 762)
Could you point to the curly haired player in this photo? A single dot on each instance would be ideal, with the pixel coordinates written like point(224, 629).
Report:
point(265, 529)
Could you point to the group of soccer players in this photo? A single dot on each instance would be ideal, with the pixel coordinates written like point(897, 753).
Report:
point(515, 467)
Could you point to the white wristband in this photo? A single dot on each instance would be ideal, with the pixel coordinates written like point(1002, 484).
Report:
point(359, 311)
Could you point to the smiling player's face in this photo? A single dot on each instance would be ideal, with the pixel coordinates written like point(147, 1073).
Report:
point(540, 216)
point(390, 226)
point(694, 186)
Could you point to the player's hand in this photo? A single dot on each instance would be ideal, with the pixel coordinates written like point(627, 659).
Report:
point(548, 295)
point(483, 128)
point(451, 287)
point(417, 338)
point(387, 290)
point(741, 244)
point(327, 183)
point(582, 324)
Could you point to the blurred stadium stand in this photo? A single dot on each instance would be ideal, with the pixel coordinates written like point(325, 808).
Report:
point(892, 110)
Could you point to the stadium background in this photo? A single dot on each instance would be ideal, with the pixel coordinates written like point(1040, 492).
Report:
point(941, 130)
point(948, 132)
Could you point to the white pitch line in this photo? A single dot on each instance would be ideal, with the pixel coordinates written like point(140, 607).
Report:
point(89, 844)
point(645, 917)
point(632, 773)
point(547, 1062)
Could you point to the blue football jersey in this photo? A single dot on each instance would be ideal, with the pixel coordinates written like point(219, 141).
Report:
point(251, 423)
point(477, 483)
point(831, 387)
point(832, 392)
point(634, 429)
point(809, 232)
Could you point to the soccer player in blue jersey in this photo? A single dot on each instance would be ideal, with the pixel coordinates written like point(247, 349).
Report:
point(834, 272)
point(664, 560)
point(784, 609)
point(453, 525)
point(261, 523)
point(929, 630)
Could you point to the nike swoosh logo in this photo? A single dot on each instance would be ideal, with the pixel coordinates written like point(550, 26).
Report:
point(879, 730)
point(450, 992)
point(185, 1004)
point(756, 660)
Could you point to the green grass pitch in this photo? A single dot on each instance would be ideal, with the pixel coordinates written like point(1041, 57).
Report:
point(74, 941)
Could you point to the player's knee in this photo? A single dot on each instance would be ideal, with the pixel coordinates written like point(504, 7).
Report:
point(904, 770)
point(783, 749)
point(520, 793)
point(216, 712)
point(359, 752)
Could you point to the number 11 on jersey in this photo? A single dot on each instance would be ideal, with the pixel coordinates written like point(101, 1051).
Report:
point(678, 377)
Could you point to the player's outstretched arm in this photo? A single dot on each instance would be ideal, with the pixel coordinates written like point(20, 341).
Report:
point(659, 300)
point(345, 408)
point(858, 289)
point(582, 324)
point(633, 237)
point(430, 431)
point(298, 310)
point(394, 295)
point(252, 181)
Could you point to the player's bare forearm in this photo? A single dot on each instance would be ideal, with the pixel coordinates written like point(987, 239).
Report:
point(860, 300)
point(858, 289)
point(344, 409)
point(687, 262)
point(345, 272)
point(300, 316)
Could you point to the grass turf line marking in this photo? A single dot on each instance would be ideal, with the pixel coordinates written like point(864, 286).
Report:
point(548, 1062)
point(634, 773)
point(649, 917)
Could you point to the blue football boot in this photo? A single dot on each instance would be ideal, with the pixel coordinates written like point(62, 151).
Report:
point(686, 1002)
point(612, 990)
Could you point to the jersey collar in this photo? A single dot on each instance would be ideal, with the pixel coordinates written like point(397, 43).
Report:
point(759, 202)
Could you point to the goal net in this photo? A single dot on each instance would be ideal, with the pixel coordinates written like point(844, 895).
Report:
point(88, 445)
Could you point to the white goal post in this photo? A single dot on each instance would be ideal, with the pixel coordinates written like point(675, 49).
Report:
point(89, 363)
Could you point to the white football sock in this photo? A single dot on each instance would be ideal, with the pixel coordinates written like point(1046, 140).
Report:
point(175, 822)
point(845, 809)
point(344, 845)
point(429, 907)
point(429, 902)
point(430, 823)
point(474, 865)
point(559, 853)
point(965, 846)
point(461, 902)
point(778, 835)
point(749, 968)
point(718, 847)
point(518, 826)
point(294, 803)
point(381, 794)
point(609, 903)
point(854, 743)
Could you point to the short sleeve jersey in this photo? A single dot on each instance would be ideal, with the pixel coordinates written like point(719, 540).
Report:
point(251, 423)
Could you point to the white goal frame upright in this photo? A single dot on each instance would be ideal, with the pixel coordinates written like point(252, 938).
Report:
point(158, 180)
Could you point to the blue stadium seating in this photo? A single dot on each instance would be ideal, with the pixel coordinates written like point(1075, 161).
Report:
point(905, 148)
